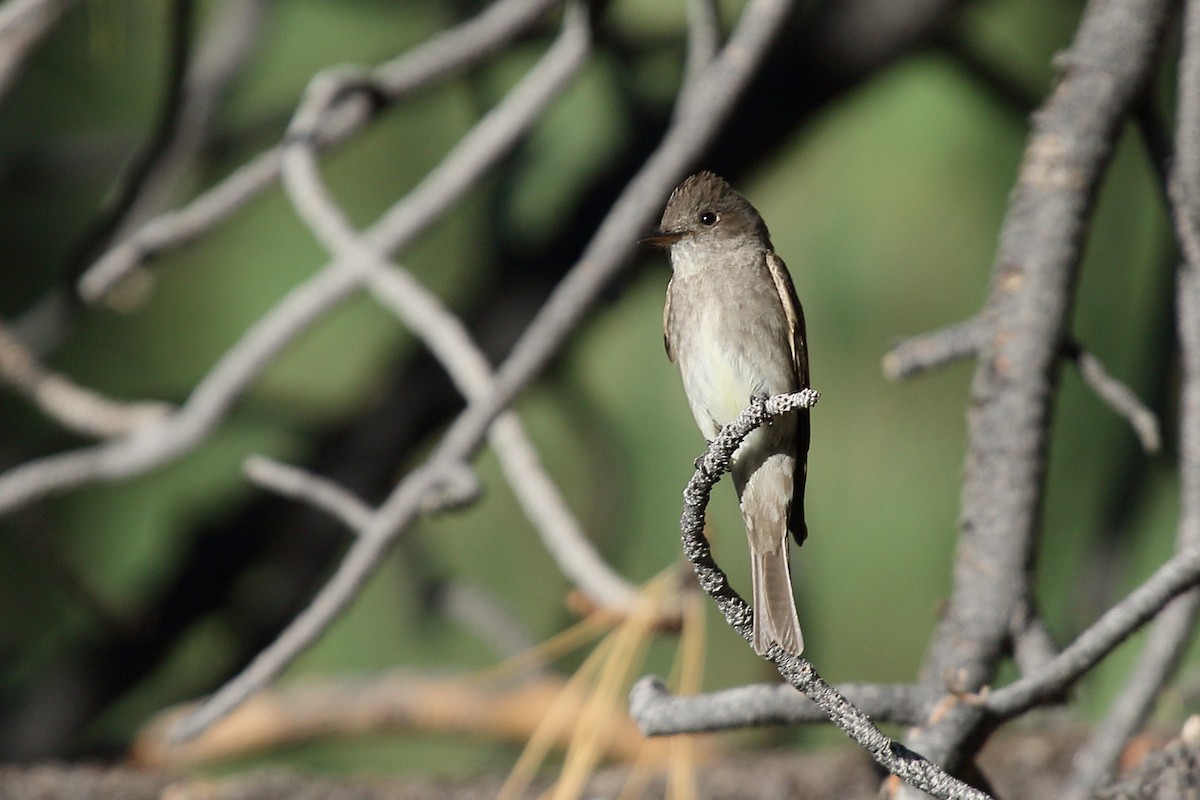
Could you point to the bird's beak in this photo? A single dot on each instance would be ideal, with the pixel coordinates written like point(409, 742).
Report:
point(662, 239)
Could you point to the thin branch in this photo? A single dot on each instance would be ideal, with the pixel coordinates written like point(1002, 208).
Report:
point(725, 79)
point(932, 350)
point(1116, 395)
point(66, 402)
point(965, 339)
point(796, 670)
point(1176, 576)
point(500, 128)
point(381, 704)
point(441, 331)
point(1033, 646)
point(659, 712)
point(147, 159)
point(302, 307)
point(23, 25)
point(485, 617)
point(1025, 320)
point(704, 40)
point(1173, 631)
point(300, 484)
point(435, 60)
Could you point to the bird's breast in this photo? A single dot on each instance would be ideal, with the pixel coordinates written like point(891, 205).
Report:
point(731, 342)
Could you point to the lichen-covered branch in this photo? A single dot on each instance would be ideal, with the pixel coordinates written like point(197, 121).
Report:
point(796, 670)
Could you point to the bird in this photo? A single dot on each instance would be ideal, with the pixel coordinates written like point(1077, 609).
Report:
point(734, 326)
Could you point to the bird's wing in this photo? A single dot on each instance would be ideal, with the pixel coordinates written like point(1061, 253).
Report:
point(667, 324)
point(794, 314)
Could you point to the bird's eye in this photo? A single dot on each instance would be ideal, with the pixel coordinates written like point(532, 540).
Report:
point(708, 218)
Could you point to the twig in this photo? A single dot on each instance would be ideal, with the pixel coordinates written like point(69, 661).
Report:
point(725, 78)
point(23, 24)
point(75, 407)
point(435, 60)
point(965, 339)
point(387, 703)
point(935, 349)
point(1033, 646)
point(1172, 632)
point(704, 40)
point(441, 331)
point(488, 620)
point(797, 671)
point(1118, 396)
point(300, 484)
point(658, 712)
point(503, 125)
point(1177, 575)
point(1025, 321)
point(147, 159)
point(214, 394)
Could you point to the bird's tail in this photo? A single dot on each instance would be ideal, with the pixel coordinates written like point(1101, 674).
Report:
point(775, 618)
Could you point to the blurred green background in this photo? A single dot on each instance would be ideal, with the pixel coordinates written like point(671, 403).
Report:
point(886, 205)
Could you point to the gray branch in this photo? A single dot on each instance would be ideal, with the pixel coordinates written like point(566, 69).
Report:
point(435, 60)
point(658, 712)
point(1174, 630)
point(1024, 322)
point(796, 670)
point(696, 124)
point(1145, 602)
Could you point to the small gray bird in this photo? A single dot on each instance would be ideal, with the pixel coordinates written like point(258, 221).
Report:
point(735, 328)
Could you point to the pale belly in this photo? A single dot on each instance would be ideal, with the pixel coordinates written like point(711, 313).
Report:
point(725, 362)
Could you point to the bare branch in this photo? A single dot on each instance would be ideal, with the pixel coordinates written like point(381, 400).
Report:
point(796, 670)
point(300, 484)
point(658, 712)
point(23, 25)
point(145, 162)
point(242, 363)
point(934, 349)
point(965, 339)
point(388, 702)
point(704, 40)
point(440, 57)
point(448, 339)
point(503, 125)
point(444, 334)
point(1141, 605)
point(79, 409)
point(1025, 320)
point(1119, 397)
point(725, 78)
point(1033, 646)
point(1173, 631)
